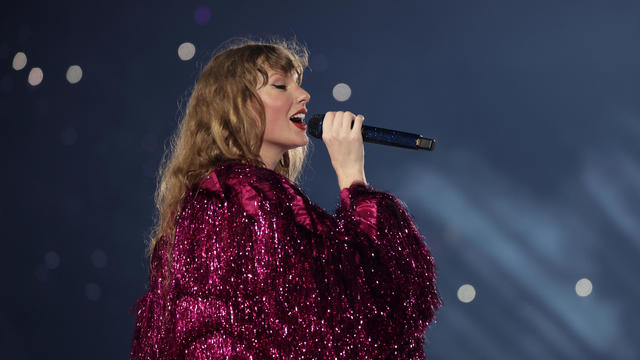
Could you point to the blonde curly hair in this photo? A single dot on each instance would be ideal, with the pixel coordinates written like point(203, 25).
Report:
point(218, 126)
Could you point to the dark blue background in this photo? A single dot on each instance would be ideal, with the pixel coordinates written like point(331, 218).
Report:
point(534, 184)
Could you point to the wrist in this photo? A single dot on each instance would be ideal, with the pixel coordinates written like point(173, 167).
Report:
point(344, 181)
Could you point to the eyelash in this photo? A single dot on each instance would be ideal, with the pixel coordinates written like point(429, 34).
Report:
point(281, 87)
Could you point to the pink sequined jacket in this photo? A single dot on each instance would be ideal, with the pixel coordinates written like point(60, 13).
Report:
point(261, 272)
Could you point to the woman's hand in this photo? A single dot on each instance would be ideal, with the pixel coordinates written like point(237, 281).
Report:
point(345, 147)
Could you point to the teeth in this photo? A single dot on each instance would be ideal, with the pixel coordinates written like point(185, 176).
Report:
point(297, 117)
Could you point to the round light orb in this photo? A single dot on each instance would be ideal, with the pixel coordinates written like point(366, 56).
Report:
point(99, 258)
point(202, 15)
point(341, 92)
point(19, 61)
point(584, 287)
point(92, 291)
point(35, 76)
point(74, 74)
point(186, 51)
point(52, 260)
point(466, 293)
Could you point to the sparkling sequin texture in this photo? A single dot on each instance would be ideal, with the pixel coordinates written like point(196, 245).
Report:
point(261, 272)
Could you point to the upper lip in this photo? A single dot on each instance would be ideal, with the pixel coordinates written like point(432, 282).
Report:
point(303, 111)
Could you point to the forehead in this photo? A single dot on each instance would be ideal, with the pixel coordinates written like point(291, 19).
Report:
point(277, 73)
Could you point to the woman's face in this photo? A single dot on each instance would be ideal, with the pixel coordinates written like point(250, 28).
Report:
point(282, 98)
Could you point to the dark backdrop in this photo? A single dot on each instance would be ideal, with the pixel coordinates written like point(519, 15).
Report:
point(534, 184)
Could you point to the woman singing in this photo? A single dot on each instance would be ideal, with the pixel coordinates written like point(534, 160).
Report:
point(243, 264)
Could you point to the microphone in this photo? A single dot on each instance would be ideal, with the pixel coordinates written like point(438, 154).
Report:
point(378, 135)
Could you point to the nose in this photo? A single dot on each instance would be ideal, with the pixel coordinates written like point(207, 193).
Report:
point(304, 96)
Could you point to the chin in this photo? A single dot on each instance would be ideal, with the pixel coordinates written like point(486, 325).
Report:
point(303, 142)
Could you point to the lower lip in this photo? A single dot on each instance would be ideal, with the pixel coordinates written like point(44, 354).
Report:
point(301, 126)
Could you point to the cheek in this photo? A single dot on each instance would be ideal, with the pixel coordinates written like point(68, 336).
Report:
point(271, 116)
point(275, 108)
point(275, 111)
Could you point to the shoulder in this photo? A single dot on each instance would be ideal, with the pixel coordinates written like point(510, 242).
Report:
point(258, 191)
point(235, 173)
point(237, 180)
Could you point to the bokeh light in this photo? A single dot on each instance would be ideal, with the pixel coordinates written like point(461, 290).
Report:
point(202, 15)
point(19, 61)
point(92, 291)
point(52, 260)
point(466, 293)
point(341, 92)
point(74, 74)
point(99, 258)
point(584, 287)
point(186, 51)
point(35, 76)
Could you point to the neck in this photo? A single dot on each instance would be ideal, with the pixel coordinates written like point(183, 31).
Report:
point(270, 156)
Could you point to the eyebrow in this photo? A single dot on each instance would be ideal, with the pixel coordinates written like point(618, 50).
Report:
point(280, 74)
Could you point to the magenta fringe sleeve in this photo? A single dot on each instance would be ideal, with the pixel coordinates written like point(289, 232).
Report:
point(258, 271)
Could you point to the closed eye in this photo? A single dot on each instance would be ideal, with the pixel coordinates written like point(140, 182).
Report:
point(281, 87)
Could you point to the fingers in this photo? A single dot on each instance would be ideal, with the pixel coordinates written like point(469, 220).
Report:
point(337, 122)
point(341, 123)
point(341, 133)
point(347, 118)
point(357, 124)
point(327, 124)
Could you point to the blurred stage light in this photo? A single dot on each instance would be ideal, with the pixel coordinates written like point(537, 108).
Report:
point(19, 61)
point(341, 92)
point(52, 260)
point(186, 51)
point(202, 15)
point(92, 291)
point(466, 293)
point(99, 258)
point(584, 287)
point(74, 74)
point(35, 76)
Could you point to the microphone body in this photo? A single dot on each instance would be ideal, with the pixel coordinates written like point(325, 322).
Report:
point(377, 135)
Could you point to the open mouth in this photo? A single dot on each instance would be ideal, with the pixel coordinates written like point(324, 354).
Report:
point(298, 118)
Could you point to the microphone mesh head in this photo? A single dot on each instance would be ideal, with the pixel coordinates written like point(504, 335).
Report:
point(314, 126)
